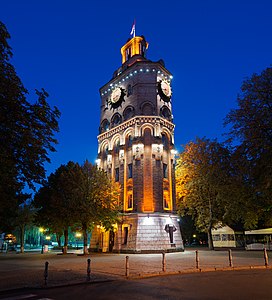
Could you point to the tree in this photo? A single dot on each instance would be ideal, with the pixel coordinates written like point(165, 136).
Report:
point(26, 135)
point(56, 201)
point(251, 130)
point(202, 174)
point(97, 200)
point(25, 217)
point(79, 197)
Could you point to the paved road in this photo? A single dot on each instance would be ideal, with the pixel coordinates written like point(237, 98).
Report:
point(221, 285)
point(26, 270)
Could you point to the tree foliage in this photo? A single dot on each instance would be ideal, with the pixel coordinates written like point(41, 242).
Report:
point(202, 174)
point(79, 197)
point(97, 198)
point(56, 201)
point(251, 129)
point(26, 134)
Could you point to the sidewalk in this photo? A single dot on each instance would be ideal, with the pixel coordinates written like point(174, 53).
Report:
point(27, 270)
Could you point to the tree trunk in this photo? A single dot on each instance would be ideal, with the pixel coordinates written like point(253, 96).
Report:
point(209, 231)
point(22, 237)
point(65, 246)
point(58, 236)
point(210, 240)
point(85, 240)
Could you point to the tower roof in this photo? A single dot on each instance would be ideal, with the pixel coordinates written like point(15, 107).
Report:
point(134, 46)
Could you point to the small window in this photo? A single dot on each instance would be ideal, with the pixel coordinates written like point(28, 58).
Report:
point(216, 237)
point(117, 174)
point(117, 147)
point(165, 141)
point(165, 171)
point(105, 153)
point(125, 235)
point(129, 90)
point(165, 202)
point(130, 201)
point(130, 140)
point(129, 170)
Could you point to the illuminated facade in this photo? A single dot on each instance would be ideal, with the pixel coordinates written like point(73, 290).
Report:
point(136, 146)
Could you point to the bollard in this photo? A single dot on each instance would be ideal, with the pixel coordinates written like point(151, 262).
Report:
point(163, 261)
point(197, 259)
point(265, 258)
point(127, 266)
point(45, 272)
point(88, 269)
point(230, 259)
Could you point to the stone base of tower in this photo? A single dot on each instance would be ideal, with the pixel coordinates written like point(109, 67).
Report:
point(148, 233)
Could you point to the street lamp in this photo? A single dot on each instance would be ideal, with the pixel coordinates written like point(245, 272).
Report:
point(78, 236)
point(41, 238)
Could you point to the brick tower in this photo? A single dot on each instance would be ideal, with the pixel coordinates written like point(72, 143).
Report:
point(136, 146)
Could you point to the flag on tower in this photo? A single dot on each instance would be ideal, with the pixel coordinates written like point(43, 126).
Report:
point(133, 29)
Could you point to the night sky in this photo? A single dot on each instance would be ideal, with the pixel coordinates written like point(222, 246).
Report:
point(72, 48)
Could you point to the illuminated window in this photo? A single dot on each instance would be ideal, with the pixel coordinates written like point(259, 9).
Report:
point(117, 174)
point(129, 170)
point(166, 204)
point(130, 201)
point(166, 200)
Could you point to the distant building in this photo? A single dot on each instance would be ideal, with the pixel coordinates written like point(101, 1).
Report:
point(136, 146)
point(225, 237)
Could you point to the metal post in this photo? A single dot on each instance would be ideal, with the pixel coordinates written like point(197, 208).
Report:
point(88, 269)
point(127, 266)
point(230, 259)
point(197, 259)
point(45, 272)
point(265, 258)
point(163, 261)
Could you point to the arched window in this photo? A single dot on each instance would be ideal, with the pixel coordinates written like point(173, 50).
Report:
point(147, 109)
point(117, 146)
point(116, 120)
point(129, 112)
point(166, 113)
point(105, 125)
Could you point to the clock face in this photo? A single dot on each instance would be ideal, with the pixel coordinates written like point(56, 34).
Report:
point(164, 90)
point(117, 97)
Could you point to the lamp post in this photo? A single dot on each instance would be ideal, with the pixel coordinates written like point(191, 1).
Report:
point(78, 236)
point(41, 238)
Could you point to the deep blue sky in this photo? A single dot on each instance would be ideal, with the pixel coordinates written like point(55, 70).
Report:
point(71, 48)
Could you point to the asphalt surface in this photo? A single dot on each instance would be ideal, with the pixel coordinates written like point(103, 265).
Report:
point(27, 270)
point(222, 285)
